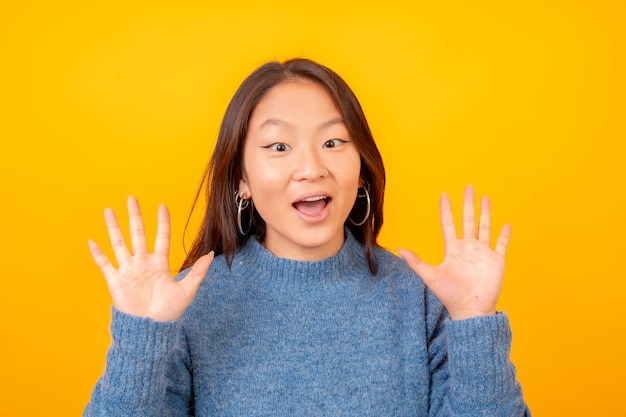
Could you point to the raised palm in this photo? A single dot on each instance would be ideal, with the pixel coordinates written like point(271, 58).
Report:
point(142, 284)
point(469, 280)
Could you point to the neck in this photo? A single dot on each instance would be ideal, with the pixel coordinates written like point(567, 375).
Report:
point(305, 251)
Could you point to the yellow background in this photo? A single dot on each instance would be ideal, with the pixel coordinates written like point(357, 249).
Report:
point(525, 100)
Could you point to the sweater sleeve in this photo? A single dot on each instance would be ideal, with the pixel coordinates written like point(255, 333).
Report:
point(147, 372)
point(472, 374)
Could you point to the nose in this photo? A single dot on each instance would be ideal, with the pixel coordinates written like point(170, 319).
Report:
point(310, 166)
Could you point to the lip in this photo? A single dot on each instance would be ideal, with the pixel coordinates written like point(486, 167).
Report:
point(319, 217)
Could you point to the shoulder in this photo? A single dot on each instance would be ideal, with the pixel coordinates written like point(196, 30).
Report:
point(395, 271)
point(392, 265)
point(396, 274)
point(218, 265)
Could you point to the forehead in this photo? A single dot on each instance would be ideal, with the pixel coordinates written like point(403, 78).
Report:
point(294, 100)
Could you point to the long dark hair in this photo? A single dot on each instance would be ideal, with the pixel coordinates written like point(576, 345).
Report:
point(221, 177)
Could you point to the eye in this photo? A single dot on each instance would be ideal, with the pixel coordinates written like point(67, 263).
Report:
point(278, 147)
point(333, 143)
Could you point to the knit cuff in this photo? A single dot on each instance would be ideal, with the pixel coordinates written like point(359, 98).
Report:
point(141, 337)
point(137, 356)
point(479, 366)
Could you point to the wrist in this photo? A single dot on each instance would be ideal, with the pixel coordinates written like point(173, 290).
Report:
point(470, 314)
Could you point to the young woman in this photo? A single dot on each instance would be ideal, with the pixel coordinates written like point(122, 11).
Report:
point(301, 312)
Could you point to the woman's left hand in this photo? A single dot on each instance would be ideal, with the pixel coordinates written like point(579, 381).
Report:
point(469, 279)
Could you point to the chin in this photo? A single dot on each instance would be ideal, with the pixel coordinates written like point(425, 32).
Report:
point(309, 243)
point(322, 242)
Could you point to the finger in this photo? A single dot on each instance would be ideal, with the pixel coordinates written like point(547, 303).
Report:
point(447, 220)
point(198, 271)
point(469, 217)
point(162, 242)
point(421, 268)
point(484, 224)
point(503, 239)
point(101, 260)
point(137, 231)
point(115, 236)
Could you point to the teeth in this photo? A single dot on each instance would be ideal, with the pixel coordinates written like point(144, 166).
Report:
point(315, 198)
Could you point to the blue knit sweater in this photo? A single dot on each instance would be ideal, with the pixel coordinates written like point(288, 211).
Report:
point(277, 337)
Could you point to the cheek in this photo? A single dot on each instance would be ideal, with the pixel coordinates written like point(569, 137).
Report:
point(348, 173)
point(350, 167)
point(265, 180)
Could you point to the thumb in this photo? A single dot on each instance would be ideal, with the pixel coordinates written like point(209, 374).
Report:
point(425, 270)
point(197, 273)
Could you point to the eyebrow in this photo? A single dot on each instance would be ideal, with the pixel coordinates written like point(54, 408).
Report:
point(279, 122)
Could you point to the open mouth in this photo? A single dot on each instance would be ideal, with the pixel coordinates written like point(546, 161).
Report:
point(312, 206)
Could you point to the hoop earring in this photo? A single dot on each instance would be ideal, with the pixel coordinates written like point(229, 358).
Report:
point(242, 204)
point(366, 194)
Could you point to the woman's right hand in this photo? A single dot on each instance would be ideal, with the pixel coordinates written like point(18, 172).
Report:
point(142, 284)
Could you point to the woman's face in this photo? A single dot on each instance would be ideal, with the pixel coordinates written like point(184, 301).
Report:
point(301, 169)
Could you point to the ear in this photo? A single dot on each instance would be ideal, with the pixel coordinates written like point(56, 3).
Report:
point(244, 190)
